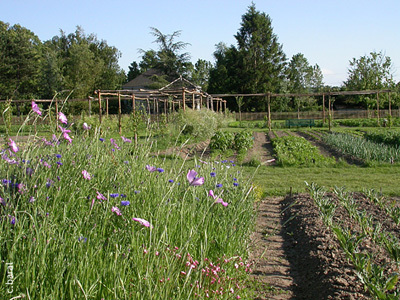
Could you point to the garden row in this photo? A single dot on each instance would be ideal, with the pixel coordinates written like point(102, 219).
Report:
point(366, 228)
point(370, 147)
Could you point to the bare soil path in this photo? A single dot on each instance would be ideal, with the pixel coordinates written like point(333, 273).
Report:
point(271, 267)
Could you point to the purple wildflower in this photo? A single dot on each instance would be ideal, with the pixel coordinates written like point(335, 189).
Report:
point(193, 180)
point(35, 108)
point(125, 203)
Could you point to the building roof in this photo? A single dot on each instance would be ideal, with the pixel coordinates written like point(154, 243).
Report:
point(142, 81)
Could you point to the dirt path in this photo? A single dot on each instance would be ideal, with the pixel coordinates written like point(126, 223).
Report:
point(271, 267)
point(262, 149)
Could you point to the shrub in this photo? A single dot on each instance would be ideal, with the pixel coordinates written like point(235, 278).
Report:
point(198, 123)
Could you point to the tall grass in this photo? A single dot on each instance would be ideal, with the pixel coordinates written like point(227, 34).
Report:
point(72, 236)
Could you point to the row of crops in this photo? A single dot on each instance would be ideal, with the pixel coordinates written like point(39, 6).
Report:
point(369, 147)
point(367, 230)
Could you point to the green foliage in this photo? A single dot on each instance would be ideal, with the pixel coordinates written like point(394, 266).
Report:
point(199, 124)
point(297, 151)
point(362, 148)
point(20, 62)
point(75, 246)
point(388, 137)
point(222, 140)
point(243, 141)
point(255, 66)
point(366, 122)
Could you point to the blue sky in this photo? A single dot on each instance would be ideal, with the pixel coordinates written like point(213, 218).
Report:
point(329, 33)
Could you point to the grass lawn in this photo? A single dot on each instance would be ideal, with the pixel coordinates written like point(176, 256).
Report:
point(278, 180)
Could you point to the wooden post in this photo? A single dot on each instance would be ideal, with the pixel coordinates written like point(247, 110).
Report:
point(157, 110)
point(133, 105)
point(201, 101)
point(154, 105)
point(377, 106)
point(269, 111)
point(183, 99)
point(107, 107)
point(208, 102)
point(390, 106)
point(119, 113)
point(329, 112)
point(225, 107)
point(193, 105)
point(99, 96)
point(212, 103)
point(323, 108)
point(148, 105)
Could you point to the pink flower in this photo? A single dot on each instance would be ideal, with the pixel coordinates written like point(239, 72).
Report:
point(13, 146)
point(67, 137)
point(63, 130)
point(191, 176)
point(150, 168)
point(86, 126)
point(86, 175)
point(112, 141)
point(35, 108)
point(143, 222)
point(62, 118)
point(217, 200)
point(126, 140)
point(116, 210)
point(101, 196)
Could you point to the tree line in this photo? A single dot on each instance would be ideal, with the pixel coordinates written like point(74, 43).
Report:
point(78, 63)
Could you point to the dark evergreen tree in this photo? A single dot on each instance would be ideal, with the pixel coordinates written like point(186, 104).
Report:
point(134, 71)
point(257, 65)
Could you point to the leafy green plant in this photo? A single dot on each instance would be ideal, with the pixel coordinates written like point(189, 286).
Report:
point(243, 141)
point(297, 151)
point(222, 140)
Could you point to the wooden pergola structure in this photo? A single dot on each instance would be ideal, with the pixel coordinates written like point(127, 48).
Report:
point(268, 96)
point(180, 93)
